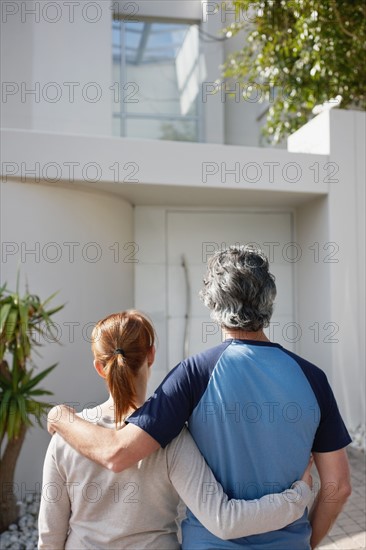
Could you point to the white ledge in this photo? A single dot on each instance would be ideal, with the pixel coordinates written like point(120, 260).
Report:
point(178, 167)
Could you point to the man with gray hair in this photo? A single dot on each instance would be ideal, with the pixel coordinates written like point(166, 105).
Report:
point(255, 410)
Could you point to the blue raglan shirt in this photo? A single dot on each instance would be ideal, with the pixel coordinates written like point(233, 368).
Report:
point(256, 411)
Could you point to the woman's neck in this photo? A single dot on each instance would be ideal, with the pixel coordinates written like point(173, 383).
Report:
point(107, 408)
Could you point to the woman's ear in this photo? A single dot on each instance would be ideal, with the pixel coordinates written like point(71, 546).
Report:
point(99, 367)
point(151, 356)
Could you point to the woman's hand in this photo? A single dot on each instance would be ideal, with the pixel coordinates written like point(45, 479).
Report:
point(307, 477)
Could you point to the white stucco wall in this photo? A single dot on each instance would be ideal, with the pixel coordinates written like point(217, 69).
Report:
point(64, 54)
point(94, 276)
point(346, 214)
point(331, 291)
point(312, 288)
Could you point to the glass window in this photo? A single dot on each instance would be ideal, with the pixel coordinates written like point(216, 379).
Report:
point(156, 80)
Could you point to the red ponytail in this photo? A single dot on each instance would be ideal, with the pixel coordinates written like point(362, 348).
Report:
point(121, 342)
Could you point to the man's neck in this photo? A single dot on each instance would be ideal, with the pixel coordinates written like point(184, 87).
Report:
point(244, 335)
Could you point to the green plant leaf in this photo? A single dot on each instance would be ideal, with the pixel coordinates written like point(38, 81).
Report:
point(12, 409)
point(24, 321)
point(20, 354)
point(54, 310)
point(47, 300)
point(2, 289)
point(34, 381)
point(22, 404)
point(10, 324)
point(21, 320)
point(15, 372)
point(40, 391)
point(26, 378)
point(3, 315)
point(4, 410)
point(17, 283)
point(5, 400)
point(38, 409)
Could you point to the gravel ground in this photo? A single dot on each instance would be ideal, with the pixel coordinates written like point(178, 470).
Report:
point(359, 437)
point(24, 534)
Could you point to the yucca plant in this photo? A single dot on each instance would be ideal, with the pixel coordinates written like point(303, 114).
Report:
point(23, 322)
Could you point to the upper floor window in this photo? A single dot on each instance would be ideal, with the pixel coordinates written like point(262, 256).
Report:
point(156, 72)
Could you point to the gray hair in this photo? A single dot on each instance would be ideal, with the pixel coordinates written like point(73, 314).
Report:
point(239, 289)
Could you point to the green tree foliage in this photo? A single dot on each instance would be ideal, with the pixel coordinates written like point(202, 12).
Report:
point(301, 53)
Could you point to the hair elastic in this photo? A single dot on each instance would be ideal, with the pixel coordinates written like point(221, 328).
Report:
point(119, 351)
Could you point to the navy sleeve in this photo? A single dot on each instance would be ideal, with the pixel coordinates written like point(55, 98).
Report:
point(331, 434)
point(165, 413)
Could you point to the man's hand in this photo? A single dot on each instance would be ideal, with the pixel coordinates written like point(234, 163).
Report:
point(56, 414)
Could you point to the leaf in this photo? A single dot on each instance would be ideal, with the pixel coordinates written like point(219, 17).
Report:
point(4, 401)
point(2, 289)
point(15, 373)
point(20, 354)
point(18, 279)
point(40, 391)
point(24, 321)
point(38, 409)
point(4, 411)
point(50, 298)
point(3, 315)
point(27, 377)
point(10, 324)
point(21, 406)
point(54, 310)
point(38, 378)
point(11, 419)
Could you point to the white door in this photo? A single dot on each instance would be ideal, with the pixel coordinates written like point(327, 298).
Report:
point(194, 236)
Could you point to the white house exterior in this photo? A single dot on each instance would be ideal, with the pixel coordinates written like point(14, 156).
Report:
point(109, 220)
